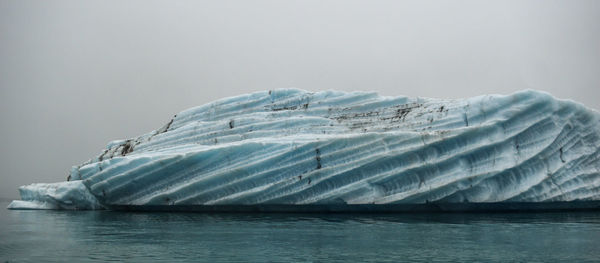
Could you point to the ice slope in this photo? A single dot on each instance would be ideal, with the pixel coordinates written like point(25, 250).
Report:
point(297, 147)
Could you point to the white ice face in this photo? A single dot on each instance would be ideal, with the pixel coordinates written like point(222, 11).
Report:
point(296, 147)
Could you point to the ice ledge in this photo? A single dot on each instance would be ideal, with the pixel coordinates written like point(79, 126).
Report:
point(64, 196)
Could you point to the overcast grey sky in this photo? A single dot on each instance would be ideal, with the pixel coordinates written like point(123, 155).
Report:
point(75, 75)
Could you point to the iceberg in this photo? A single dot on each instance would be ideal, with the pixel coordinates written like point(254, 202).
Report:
point(293, 149)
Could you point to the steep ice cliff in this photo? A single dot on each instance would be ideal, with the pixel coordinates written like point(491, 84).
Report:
point(294, 147)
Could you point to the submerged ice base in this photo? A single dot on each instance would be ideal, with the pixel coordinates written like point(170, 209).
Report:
point(293, 147)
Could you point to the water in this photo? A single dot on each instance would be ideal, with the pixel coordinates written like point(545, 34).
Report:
point(99, 236)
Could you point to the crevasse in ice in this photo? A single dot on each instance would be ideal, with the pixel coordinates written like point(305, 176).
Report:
point(296, 147)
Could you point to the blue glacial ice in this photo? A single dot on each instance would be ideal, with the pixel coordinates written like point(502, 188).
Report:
point(293, 147)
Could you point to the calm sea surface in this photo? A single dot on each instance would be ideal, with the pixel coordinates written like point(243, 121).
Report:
point(99, 236)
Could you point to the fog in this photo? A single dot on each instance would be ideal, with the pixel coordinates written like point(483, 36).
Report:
point(75, 75)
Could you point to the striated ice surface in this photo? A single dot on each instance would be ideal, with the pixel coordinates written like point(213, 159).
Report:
point(297, 147)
